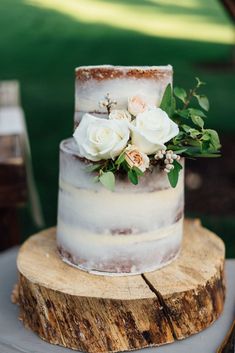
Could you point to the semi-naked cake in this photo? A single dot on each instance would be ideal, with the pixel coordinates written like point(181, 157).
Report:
point(133, 228)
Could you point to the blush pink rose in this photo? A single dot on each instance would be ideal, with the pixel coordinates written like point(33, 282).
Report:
point(137, 104)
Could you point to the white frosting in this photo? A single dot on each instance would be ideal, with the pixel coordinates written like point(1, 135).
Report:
point(140, 253)
point(106, 211)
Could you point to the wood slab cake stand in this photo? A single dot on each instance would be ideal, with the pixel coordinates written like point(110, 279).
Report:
point(75, 309)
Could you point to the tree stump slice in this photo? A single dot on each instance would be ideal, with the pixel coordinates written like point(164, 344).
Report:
point(91, 313)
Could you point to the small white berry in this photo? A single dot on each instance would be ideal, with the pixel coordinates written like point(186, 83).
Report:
point(158, 155)
point(169, 166)
point(166, 170)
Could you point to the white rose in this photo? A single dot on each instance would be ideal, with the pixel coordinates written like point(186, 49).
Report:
point(137, 104)
point(101, 138)
point(135, 158)
point(120, 114)
point(152, 129)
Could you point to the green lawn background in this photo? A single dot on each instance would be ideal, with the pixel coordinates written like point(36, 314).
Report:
point(41, 42)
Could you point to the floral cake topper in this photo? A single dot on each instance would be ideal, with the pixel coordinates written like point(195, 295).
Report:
point(136, 139)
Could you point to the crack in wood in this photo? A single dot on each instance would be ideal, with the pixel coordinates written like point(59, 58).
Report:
point(163, 304)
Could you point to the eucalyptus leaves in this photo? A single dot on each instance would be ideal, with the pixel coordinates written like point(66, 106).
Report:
point(142, 136)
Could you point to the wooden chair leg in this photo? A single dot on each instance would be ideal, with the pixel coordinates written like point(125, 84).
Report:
point(9, 228)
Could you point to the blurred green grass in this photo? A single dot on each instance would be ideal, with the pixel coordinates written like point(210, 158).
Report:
point(42, 41)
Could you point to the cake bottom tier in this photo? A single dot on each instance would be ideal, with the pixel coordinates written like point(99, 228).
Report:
point(131, 230)
point(119, 254)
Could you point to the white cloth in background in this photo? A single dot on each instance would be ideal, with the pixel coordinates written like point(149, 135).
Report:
point(11, 121)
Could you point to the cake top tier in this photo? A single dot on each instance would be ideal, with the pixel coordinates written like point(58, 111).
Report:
point(93, 83)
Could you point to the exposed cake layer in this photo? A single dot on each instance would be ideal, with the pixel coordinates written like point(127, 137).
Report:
point(94, 82)
point(101, 72)
point(99, 228)
point(129, 254)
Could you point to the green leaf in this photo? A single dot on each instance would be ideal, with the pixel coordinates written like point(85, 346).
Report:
point(166, 103)
point(205, 136)
point(197, 120)
point(173, 176)
point(92, 167)
point(120, 159)
point(184, 113)
point(194, 133)
point(186, 128)
point(191, 131)
point(133, 177)
point(180, 93)
point(138, 171)
point(197, 112)
point(203, 102)
point(195, 142)
point(107, 179)
point(214, 138)
point(192, 151)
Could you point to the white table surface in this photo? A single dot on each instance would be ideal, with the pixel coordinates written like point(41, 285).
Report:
point(14, 338)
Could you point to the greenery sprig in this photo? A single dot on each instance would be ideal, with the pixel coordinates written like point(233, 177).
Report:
point(193, 139)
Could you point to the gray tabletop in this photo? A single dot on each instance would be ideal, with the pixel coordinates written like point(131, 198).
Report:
point(14, 338)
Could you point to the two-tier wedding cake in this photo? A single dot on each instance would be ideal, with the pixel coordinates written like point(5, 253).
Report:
point(120, 212)
point(131, 228)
